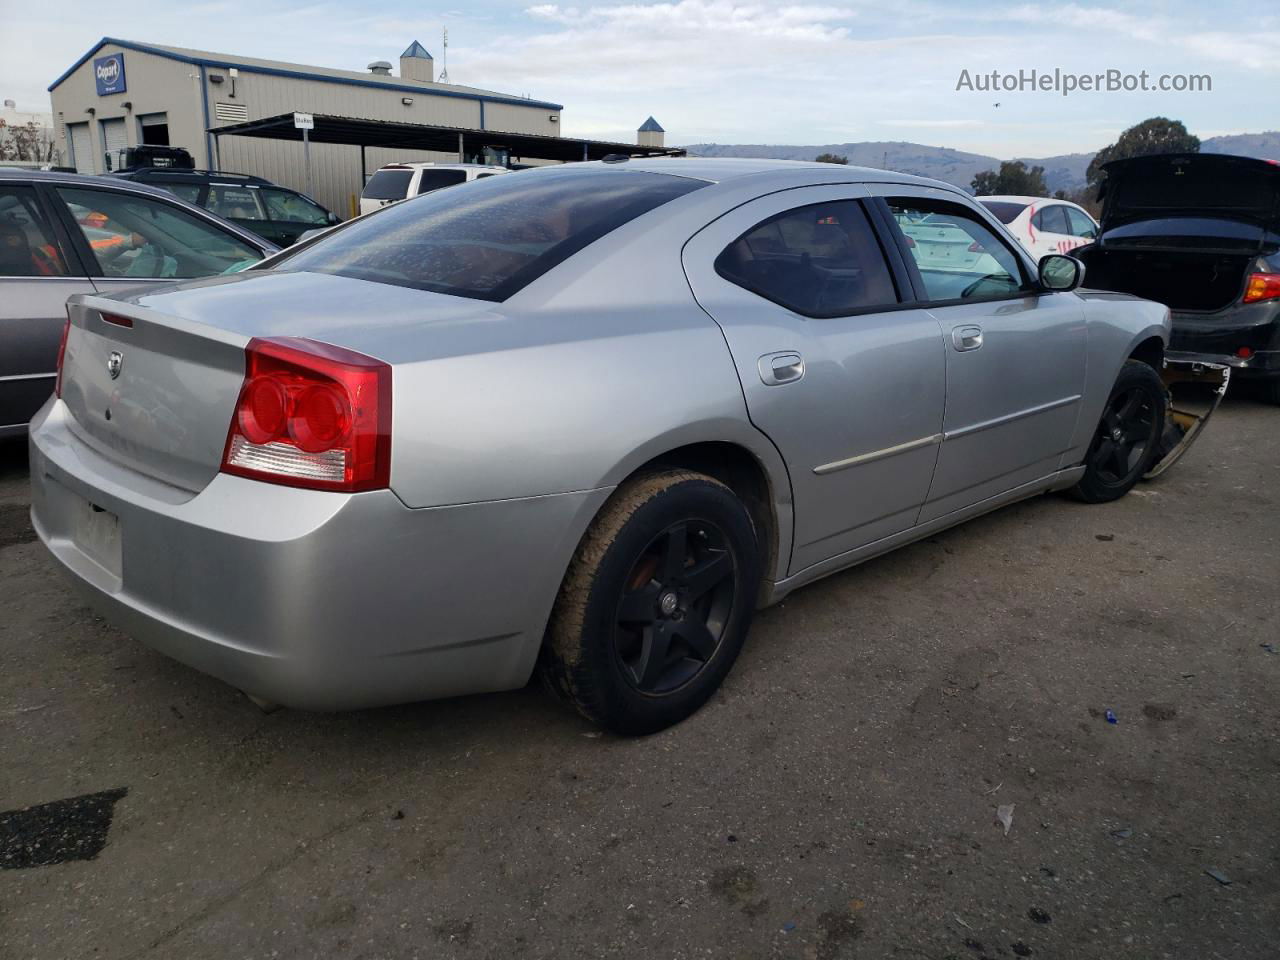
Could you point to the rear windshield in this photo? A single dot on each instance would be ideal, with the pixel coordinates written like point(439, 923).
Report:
point(435, 179)
point(493, 238)
point(1004, 211)
point(388, 185)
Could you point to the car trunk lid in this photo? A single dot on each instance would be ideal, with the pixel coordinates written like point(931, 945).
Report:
point(151, 378)
point(1209, 185)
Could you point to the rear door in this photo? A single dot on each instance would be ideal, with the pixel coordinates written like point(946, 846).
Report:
point(845, 381)
point(1015, 356)
point(1051, 231)
point(38, 271)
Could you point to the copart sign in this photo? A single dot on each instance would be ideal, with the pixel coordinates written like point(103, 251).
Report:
point(108, 73)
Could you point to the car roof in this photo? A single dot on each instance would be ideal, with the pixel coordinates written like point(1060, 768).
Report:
point(84, 180)
point(179, 173)
point(725, 169)
point(427, 164)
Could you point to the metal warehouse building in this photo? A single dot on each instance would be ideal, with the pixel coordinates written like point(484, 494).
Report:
point(122, 94)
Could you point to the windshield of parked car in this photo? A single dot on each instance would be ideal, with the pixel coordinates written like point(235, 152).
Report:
point(388, 185)
point(492, 237)
point(1003, 210)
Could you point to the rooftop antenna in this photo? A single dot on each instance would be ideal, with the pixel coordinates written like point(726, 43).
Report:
point(444, 60)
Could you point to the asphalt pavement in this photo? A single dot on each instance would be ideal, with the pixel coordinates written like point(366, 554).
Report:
point(838, 798)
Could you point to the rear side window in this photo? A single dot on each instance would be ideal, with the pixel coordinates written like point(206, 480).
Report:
point(821, 260)
point(388, 185)
point(1052, 219)
point(435, 179)
point(234, 202)
point(957, 254)
point(495, 237)
point(1003, 210)
point(189, 192)
point(27, 246)
point(1081, 225)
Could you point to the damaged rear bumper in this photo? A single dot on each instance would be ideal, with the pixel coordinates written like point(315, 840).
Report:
point(1195, 388)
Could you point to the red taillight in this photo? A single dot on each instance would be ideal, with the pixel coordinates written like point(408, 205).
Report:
point(62, 353)
point(1244, 353)
point(976, 247)
point(1262, 286)
point(311, 415)
point(116, 319)
point(910, 241)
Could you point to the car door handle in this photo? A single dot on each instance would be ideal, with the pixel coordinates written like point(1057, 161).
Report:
point(779, 368)
point(966, 338)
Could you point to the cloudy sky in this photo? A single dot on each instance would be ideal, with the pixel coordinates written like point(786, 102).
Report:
point(740, 72)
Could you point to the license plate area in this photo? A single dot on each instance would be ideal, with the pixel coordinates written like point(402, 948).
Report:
point(96, 533)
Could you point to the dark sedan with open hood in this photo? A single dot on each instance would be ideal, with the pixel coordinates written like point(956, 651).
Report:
point(1201, 234)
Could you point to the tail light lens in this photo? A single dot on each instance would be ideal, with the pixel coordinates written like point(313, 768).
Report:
point(311, 415)
point(62, 353)
point(976, 247)
point(1262, 286)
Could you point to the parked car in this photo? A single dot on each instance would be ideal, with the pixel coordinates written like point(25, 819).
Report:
point(399, 181)
point(1042, 225)
point(1201, 233)
point(583, 420)
point(275, 213)
point(62, 234)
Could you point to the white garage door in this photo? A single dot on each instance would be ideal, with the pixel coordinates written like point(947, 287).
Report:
point(81, 147)
point(114, 141)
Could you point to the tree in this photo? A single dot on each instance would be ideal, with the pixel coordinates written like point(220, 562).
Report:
point(831, 158)
point(1014, 179)
point(26, 141)
point(1156, 135)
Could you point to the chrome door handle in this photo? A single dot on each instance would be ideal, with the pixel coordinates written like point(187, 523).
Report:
point(779, 368)
point(966, 338)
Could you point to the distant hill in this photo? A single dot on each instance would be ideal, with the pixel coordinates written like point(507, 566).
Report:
point(1064, 172)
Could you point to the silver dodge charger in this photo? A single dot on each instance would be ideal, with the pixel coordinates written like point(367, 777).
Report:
point(582, 421)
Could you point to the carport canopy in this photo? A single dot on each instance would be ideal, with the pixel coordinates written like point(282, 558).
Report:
point(421, 136)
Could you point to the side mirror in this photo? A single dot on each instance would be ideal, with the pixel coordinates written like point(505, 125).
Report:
point(1060, 273)
point(333, 218)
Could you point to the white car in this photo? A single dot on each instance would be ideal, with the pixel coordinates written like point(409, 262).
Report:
point(399, 181)
point(1043, 225)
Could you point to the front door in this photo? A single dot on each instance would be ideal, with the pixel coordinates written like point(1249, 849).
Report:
point(846, 382)
point(1015, 356)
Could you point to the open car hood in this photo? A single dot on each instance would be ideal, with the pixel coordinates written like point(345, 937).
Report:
point(1205, 185)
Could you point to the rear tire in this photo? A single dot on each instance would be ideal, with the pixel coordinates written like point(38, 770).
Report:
point(1127, 439)
point(656, 603)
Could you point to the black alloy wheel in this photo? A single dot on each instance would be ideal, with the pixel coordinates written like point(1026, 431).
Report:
point(675, 606)
point(1127, 441)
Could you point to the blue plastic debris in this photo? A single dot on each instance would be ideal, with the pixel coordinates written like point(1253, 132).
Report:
point(1112, 718)
point(788, 927)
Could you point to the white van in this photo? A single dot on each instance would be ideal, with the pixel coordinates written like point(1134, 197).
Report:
point(399, 181)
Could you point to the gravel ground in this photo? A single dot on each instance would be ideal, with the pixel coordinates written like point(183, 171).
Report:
point(837, 799)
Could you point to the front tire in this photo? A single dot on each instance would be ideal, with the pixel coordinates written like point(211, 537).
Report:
point(1127, 440)
point(656, 603)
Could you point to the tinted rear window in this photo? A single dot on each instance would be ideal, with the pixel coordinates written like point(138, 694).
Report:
point(435, 179)
point(388, 185)
point(1004, 211)
point(493, 238)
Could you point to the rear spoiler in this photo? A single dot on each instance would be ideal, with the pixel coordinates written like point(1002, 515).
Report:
point(1194, 390)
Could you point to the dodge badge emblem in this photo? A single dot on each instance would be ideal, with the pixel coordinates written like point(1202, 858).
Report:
point(114, 362)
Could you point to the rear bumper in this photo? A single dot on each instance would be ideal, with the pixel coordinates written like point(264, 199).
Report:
point(310, 599)
point(1219, 338)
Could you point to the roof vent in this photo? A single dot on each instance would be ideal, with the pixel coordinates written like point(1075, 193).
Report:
point(381, 67)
